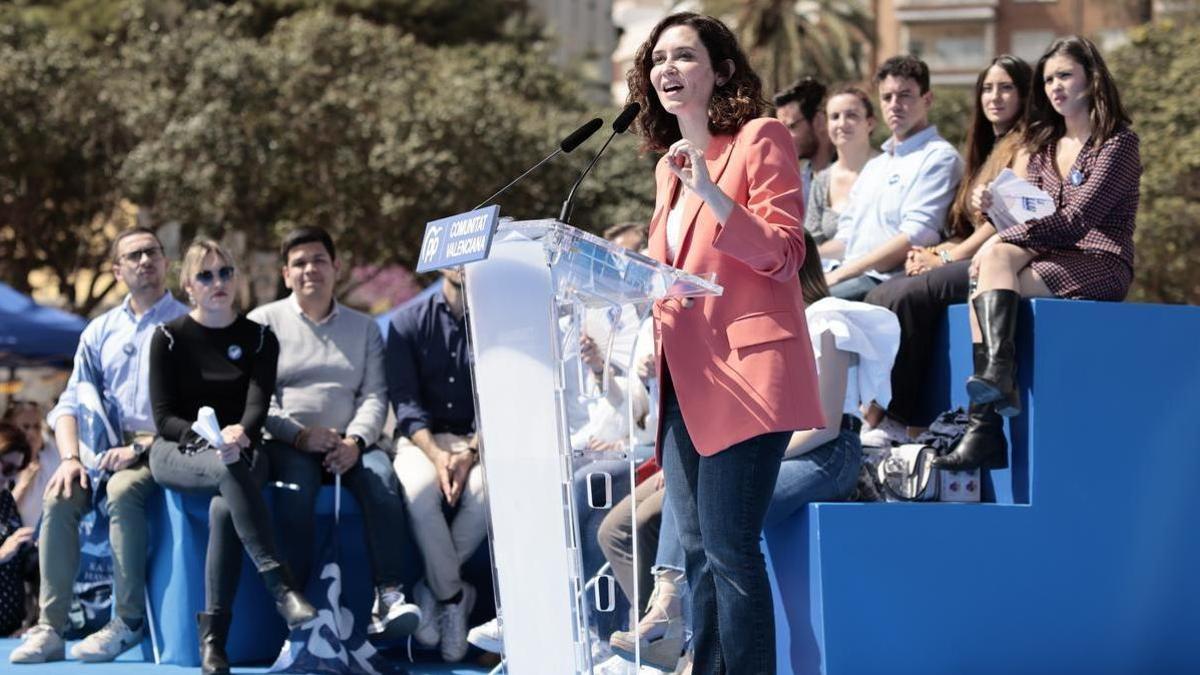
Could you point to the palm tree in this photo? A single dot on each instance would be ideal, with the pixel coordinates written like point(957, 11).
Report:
point(788, 39)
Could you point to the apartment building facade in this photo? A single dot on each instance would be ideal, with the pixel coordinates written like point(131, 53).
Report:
point(957, 38)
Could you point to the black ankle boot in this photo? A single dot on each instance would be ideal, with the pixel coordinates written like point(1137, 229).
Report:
point(982, 446)
point(996, 381)
point(214, 631)
point(292, 606)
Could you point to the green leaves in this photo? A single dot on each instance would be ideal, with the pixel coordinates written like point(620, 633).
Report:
point(1156, 72)
point(223, 122)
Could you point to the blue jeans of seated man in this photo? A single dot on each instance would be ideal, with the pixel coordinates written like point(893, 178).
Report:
point(719, 503)
point(589, 542)
point(854, 289)
point(826, 473)
point(374, 485)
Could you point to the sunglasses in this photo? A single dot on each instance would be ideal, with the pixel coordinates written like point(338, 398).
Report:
point(205, 277)
point(135, 257)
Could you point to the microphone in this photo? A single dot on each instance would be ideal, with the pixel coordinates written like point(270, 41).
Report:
point(574, 140)
point(619, 126)
point(580, 135)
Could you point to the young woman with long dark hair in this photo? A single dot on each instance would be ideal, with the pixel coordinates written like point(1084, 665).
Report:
point(1086, 157)
point(938, 277)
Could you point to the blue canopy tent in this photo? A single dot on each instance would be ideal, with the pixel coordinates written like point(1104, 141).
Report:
point(31, 334)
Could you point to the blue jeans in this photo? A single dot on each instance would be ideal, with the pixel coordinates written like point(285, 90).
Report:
point(719, 503)
point(826, 473)
point(374, 485)
point(670, 551)
point(854, 289)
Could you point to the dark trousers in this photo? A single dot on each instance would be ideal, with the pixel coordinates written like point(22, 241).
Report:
point(919, 303)
point(372, 482)
point(720, 503)
point(237, 514)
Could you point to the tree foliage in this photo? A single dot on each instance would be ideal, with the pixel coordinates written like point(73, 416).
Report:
point(327, 119)
point(1156, 71)
point(64, 137)
point(786, 40)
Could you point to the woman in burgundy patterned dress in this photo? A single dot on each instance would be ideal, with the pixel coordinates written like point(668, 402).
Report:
point(1086, 158)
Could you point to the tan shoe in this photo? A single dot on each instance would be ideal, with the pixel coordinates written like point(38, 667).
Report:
point(660, 643)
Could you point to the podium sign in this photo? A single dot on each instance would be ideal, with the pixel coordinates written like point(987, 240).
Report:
point(458, 239)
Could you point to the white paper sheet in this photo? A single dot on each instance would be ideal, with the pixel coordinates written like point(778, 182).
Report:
point(1015, 200)
point(207, 426)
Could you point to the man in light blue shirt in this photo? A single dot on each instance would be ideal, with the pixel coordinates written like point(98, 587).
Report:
point(119, 342)
point(901, 197)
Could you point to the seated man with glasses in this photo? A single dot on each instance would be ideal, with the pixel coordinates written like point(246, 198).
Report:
point(118, 341)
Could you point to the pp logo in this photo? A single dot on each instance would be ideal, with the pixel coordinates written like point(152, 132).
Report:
point(432, 239)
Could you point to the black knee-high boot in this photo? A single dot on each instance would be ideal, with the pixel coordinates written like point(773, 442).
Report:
point(214, 631)
point(996, 382)
point(983, 445)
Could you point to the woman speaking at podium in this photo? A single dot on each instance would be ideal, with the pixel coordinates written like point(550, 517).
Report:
point(737, 370)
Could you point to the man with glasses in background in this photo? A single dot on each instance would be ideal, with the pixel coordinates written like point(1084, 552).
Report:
point(119, 342)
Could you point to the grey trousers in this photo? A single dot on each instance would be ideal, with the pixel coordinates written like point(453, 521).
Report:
point(237, 514)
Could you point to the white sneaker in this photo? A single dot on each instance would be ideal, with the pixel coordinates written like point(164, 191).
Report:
point(41, 644)
point(487, 636)
point(454, 625)
point(107, 643)
point(888, 433)
point(393, 616)
point(428, 632)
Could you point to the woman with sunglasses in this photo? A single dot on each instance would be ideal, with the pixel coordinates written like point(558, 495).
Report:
point(28, 417)
point(214, 357)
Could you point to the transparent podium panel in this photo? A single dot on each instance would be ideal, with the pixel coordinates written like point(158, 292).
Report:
point(566, 395)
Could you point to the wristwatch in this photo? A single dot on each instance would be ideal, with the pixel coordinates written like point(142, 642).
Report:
point(358, 440)
point(945, 256)
point(140, 448)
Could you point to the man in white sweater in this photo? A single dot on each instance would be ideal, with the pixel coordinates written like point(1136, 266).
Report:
point(328, 411)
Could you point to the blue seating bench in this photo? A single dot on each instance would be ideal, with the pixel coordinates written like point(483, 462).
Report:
point(1082, 562)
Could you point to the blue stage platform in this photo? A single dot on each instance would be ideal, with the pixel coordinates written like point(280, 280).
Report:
point(131, 663)
point(1085, 561)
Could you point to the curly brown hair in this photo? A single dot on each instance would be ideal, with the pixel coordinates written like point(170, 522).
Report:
point(734, 102)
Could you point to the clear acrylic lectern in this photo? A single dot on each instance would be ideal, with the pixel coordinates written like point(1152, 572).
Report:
point(560, 443)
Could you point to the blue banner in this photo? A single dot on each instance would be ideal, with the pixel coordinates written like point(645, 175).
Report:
point(460, 239)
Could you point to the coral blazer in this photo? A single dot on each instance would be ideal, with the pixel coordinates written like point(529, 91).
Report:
point(742, 362)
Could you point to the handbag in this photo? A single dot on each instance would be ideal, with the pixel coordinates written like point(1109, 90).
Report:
point(907, 475)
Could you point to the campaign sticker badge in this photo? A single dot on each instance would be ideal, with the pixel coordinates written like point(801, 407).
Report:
point(458, 239)
point(234, 352)
point(1076, 177)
